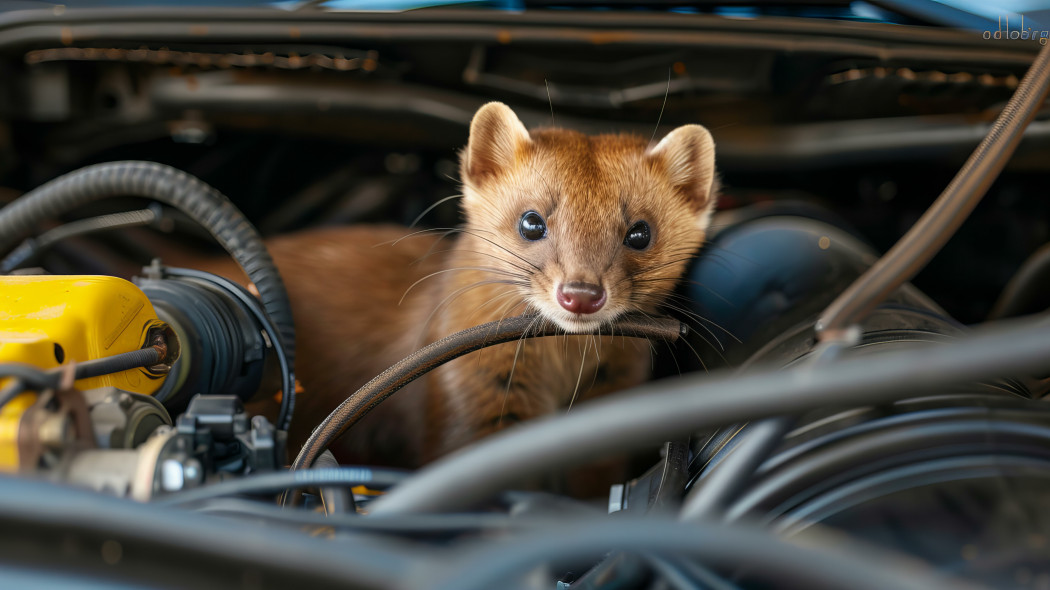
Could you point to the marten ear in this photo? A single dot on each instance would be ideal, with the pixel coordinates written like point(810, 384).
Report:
point(496, 134)
point(688, 155)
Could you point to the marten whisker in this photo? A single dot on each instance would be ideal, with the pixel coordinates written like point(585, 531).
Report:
point(520, 347)
point(430, 251)
point(416, 233)
point(451, 297)
point(579, 377)
point(717, 344)
point(432, 207)
point(543, 179)
point(459, 268)
point(702, 364)
point(708, 289)
point(695, 352)
point(720, 249)
point(664, 265)
point(549, 100)
point(503, 311)
point(510, 378)
point(652, 347)
point(721, 261)
point(501, 247)
point(526, 272)
point(703, 320)
point(660, 117)
point(694, 321)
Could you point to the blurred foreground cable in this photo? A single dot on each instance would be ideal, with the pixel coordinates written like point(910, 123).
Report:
point(655, 412)
point(835, 564)
point(182, 549)
point(277, 482)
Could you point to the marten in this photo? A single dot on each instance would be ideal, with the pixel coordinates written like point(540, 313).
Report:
point(577, 229)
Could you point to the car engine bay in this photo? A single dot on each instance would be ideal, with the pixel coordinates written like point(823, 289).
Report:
point(848, 389)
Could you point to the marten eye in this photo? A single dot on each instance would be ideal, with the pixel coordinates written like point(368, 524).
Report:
point(532, 226)
point(639, 236)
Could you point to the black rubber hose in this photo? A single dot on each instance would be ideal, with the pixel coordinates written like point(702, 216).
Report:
point(160, 542)
point(451, 347)
point(714, 492)
point(202, 203)
point(922, 242)
point(283, 480)
point(412, 525)
point(666, 409)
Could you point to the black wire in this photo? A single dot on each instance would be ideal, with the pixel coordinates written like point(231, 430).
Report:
point(125, 361)
point(28, 377)
point(494, 562)
point(284, 416)
point(686, 575)
point(713, 493)
point(32, 247)
point(416, 524)
point(653, 413)
point(284, 480)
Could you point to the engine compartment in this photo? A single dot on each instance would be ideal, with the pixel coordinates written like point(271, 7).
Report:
point(833, 138)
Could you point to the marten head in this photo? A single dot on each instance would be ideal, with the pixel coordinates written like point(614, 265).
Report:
point(589, 227)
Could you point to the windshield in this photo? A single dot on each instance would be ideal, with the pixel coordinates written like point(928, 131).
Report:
point(966, 14)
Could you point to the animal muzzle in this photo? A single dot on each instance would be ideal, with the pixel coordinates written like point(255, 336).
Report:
point(581, 297)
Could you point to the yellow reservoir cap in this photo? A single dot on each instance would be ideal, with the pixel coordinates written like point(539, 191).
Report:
point(49, 320)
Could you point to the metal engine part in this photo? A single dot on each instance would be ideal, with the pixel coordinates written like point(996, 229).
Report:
point(144, 460)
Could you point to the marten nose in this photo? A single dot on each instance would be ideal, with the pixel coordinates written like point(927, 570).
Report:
point(580, 297)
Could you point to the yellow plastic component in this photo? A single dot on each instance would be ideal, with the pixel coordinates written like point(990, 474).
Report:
point(47, 318)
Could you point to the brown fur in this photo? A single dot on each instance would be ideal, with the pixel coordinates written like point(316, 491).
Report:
point(345, 285)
